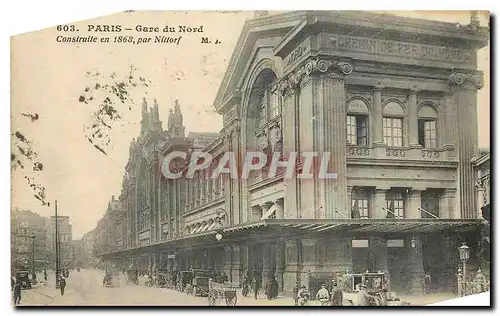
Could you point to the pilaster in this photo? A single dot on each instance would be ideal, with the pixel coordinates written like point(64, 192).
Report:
point(379, 203)
point(280, 263)
point(447, 205)
point(280, 208)
point(266, 263)
point(293, 265)
point(256, 213)
point(378, 138)
point(290, 119)
point(416, 268)
point(414, 203)
point(236, 270)
point(413, 118)
point(464, 85)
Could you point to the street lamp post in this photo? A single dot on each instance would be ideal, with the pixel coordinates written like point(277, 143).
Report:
point(464, 252)
point(33, 249)
point(221, 218)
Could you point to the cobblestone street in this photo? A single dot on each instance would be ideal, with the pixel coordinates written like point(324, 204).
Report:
point(85, 289)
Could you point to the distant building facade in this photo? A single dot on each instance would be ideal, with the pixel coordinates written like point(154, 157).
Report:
point(88, 249)
point(393, 99)
point(24, 226)
point(65, 234)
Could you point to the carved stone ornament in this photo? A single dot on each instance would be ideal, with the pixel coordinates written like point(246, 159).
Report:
point(333, 68)
point(459, 77)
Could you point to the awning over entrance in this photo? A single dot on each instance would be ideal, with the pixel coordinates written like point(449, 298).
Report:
point(270, 228)
point(367, 225)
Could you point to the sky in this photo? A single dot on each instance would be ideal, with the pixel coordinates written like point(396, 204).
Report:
point(48, 77)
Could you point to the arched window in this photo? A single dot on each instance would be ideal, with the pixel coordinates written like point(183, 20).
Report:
point(427, 131)
point(357, 122)
point(264, 113)
point(392, 123)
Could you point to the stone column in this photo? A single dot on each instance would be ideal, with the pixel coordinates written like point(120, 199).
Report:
point(447, 262)
point(288, 89)
point(413, 119)
point(348, 214)
point(280, 264)
point(293, 266)
point(236, 268)
point(266, 263)
point(414, 202)
point(280, 208)
point(448, 205)
point(378, 136)
point(309, 259)
point(416, 262)
point(333, 132)
point(228, 261)
point(256, 213)
point(379, 203)
point(378, 247)
point(265, 207)
point(464, 86)
point(212, 254)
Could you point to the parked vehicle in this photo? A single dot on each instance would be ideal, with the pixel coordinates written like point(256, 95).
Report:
point(23, 277)
point(184, 278)
point(111, 279)
point(221, 291)
point(200, 286)
point(377, 285)
point(132, 276)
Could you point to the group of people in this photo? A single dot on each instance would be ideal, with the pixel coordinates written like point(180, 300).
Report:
point(271, 288)
point(334, 298)
point(16, 284)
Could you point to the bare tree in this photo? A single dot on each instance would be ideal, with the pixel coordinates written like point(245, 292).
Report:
point(109, 95)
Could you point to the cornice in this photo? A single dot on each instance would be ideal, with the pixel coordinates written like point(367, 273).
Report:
point(329, 67)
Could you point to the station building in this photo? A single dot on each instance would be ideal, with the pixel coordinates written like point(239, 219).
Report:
point(394, 100)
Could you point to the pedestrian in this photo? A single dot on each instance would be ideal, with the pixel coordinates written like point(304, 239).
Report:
point(17, 292)
point(274, 288)
point(45, 276)
point(323, 296)
point(303, 295)
point(255, 287)
point(224, 277)
point(246, 286)
point(12, 283)
point(269, 285)
point(337, 295)
point(364, 299)
point(62, 284)
point(427, 283)
point(295, 292)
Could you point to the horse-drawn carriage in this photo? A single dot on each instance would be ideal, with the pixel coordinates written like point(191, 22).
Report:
point(132, 276)
point(184, 279)
point(377, 286)
point(201, 285)
point(111, 279)
point(221, 291)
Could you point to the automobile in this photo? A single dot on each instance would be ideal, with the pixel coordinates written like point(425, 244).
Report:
point(200, 286)
point(377, 285)
point(23, 277)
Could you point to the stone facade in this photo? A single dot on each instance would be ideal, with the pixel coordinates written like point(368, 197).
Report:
point(394, 102)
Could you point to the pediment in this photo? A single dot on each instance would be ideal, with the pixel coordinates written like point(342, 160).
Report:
point(257, 34)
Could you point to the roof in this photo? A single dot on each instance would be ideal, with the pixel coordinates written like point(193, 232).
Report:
point(288, 24)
